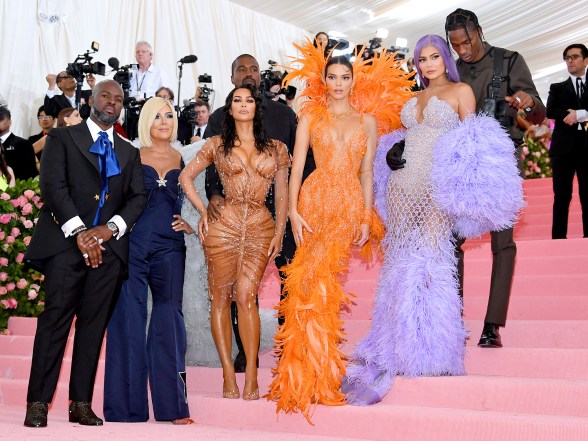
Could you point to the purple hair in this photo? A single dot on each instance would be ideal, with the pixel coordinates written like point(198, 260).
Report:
point(441, 45)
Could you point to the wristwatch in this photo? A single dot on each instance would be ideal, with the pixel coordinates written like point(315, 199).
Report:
point(112, 227)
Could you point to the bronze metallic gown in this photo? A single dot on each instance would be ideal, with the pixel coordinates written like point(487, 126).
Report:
point(236, 246)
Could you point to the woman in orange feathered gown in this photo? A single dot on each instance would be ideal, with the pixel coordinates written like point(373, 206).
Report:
point(348, 105)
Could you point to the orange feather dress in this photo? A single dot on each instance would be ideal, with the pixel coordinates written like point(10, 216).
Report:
point(310, 363)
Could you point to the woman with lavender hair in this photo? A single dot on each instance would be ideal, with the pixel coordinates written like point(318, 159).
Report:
point(460, 175)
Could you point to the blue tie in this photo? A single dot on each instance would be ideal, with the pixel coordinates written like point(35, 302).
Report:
point(109, 166)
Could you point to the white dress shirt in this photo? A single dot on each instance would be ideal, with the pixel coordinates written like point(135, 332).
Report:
point(145, 84)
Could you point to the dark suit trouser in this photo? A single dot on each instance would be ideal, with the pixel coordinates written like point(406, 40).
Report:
point(504, 251)
point(564, 168)
point(72, 289)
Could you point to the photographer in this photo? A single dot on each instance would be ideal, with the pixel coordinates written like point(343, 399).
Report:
point(67, 84)
point(193, 122)
point(501, 88)
point(147, 78)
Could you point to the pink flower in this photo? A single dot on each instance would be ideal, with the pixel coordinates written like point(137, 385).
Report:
point(4, 196)
point(10, 286)
point(35, 286)
point(22, 284)
point(3, 261)
point(10, 239)
point(22, 201)
point(2, 235)
point(40, 303)
point(32, 294)
point(14, 203)
point(29, 194)
point(12, 303)
point(525, 150)
point(38, 205)
point(4, 304)
point(15, 232)
point(26, 240)
point(530, 163)
point(5, 218)
point(27, 208)
point(36, 198)
point(28, 223)
point(19, 258)
point(3, 290)
point(3, 277)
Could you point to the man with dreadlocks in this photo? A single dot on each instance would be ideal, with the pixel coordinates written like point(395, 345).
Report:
point(502, 88)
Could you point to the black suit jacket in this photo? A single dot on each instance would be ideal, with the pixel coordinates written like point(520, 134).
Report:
point(20, 155)
point(562, 96)
point(70, 182)
point(59, 102)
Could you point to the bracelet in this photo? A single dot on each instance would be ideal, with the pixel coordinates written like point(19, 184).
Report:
point(78, 230)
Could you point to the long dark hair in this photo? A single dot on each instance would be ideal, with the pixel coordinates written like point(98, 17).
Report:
point(229, 132)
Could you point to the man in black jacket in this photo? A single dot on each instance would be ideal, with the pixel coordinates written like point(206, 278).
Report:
point(279, 122)
point(515, 91)
point(19, 152)
point(93, 191)
point(566, 105)
point(67, 84)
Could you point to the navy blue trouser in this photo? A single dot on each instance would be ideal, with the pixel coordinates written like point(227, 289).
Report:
point(131, 357)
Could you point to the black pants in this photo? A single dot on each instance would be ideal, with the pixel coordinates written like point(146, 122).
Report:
point(504, 251)
point(564, 168)
point(73, 289)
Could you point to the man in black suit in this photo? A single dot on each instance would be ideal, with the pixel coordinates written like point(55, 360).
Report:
point(280, 123)
point(93, 195)
point(46, 122)
point(567, 104)
point(19, 152)
point(67, 84)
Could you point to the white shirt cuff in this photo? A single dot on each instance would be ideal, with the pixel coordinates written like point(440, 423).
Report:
point(71, 225)
point(121, 224)
point(582, 115)
point(50, 93)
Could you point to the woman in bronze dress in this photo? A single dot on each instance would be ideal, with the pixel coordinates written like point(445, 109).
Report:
point(239, 246)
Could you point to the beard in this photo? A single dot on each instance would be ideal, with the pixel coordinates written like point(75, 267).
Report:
point(103, 118)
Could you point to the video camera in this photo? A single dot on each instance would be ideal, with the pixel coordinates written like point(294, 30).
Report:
point(205, 91)
point(83, 65)
point(123, 74)
point(269, 77)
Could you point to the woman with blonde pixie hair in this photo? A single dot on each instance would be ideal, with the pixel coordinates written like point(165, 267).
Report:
point(157, 255)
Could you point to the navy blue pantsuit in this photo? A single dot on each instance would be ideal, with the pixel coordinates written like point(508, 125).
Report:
point(133, 356)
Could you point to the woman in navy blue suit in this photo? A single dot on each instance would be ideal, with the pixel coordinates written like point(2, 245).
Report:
point(157, 256)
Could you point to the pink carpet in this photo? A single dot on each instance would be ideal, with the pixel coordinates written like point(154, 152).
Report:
point(535, 388)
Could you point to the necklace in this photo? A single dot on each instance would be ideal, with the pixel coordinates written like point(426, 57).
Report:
point(342, 115)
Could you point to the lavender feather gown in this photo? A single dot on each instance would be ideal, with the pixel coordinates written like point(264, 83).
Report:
point(416, 327)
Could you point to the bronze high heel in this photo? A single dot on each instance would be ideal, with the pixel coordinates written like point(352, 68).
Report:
point(250, 396)
point(231, 394)
point(183, 421)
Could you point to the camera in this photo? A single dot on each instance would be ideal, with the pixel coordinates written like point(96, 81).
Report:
point(205, 91)
point(269, 77)
point(123, 74)
point(83, 65)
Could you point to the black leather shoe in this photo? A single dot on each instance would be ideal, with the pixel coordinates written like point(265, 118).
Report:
point(36, 414)
point(240, 363)
point(82, 413)
point(490, 337)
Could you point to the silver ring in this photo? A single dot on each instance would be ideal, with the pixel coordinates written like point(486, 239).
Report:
point(181, 222)
point(95, 238)
point(528, 109)
point(518, 99)
point(85, 255)
point(100, 240)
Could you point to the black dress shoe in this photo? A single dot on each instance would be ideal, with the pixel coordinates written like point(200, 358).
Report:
point(240, 363)
point(490, 337)
point(82, 413)
point(36, 414)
